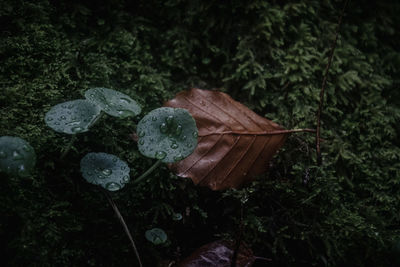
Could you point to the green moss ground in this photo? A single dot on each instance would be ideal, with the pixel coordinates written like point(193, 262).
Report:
point(271, 56)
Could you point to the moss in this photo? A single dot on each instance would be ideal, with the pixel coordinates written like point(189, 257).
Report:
point(267, 54)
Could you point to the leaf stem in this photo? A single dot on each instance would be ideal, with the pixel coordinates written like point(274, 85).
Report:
point(69, 145)
point(146, 173)
point(122, 221)
point(261, 132)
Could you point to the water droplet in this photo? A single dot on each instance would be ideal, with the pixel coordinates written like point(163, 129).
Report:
point(16, 155)
point(178, 130)
point(125, 113)
point(160, 155)
point(141, 141)
point(91, 95)
point(189, 145)
point(142, 133)
point(154, 118)
point(184, 137)
point(76, 129)
point(174, 146)
point(178, 158)
point(195, 134)
point(163, 128)
point(125, 179)
point(106, 172)
point(26, 148)
point(114, 159)
point(57, 123)
point(169, 119)
point(125, 100)
point(3, 155)
point(63, 118)
point(49, 118)
point(22, 169)
point(73, 123)
point(151, 139)
point(64, 106)
point(177, 216)
point(113, 186)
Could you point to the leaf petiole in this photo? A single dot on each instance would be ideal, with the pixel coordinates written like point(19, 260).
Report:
point(70, 143)
point(146, 173)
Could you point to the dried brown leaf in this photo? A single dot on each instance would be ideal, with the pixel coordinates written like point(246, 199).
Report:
point(234, 143)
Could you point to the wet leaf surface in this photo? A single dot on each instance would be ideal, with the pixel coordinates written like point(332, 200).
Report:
point(105, 170)
point(167, 134)
point(72, 117)
point(234, 143)
point(156, 236)
point(113, 103)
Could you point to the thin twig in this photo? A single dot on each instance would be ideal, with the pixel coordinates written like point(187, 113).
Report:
point(324, 80)
point(122, 221)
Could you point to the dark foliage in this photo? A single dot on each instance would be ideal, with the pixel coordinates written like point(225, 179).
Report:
point(269, 55)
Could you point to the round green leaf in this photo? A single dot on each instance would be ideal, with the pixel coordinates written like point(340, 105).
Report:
point(156, 236)
point(72, 117)
point(167, 134)
point(16, 156)
point(106, 170)
point(113, 103)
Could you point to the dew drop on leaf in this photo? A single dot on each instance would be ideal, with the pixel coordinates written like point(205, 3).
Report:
point(107, 172)
point(195, 134)
point(113, 186)
point(160, 155)
point(26, 148)
point(76, 129)
point(174, 146)
point(169, 119)
point(124, 100)
point(142, 133)
point(163, 127)
point(16, 155)
point(178, 158)
point(125, 179)
point(178, 130)
point(154, 118)
point(141, 141)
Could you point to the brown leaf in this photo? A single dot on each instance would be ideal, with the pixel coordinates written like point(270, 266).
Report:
point(219, 253)
point(234, 144)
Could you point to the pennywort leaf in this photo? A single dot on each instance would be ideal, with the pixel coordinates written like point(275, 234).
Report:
point(167, 134)
point(105, 170)
point(113, 103)
point(16, 156)
point(156, 236)
point(72, 117)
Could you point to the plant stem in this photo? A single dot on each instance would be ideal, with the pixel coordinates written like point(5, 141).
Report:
point(324, 80)
point(71, 142)
point(146, 173)
point(261, 132)
point(122, 221)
